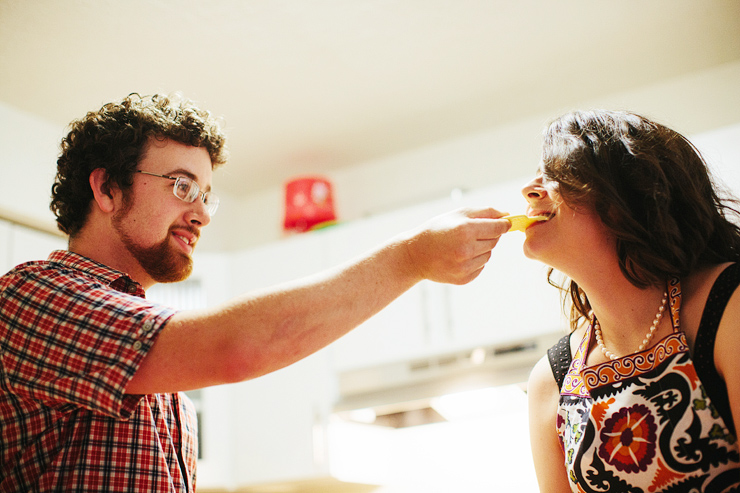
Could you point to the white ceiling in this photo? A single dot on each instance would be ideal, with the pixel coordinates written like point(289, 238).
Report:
point(308, 86)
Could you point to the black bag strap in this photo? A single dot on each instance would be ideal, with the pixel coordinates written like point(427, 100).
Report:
point(719, 295)
point(560, 358)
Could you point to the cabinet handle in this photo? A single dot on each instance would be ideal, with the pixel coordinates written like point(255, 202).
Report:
point(425, 320)
point(318, 431)
point(447, 303)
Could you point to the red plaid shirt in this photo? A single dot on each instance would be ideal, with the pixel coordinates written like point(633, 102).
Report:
point(72, 334)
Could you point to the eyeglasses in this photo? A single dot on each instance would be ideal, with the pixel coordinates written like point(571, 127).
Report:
point(187, 190)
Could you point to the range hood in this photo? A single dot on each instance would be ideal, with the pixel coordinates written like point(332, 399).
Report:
point(401, 394)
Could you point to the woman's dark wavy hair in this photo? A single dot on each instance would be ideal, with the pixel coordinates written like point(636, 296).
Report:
point(652, 190)
point(115, 138)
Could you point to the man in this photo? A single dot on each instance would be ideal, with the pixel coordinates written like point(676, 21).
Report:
point(91, 370)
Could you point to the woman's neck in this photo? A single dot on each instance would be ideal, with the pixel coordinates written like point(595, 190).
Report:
point(625, 312)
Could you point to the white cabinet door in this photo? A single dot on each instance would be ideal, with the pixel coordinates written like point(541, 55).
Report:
point(404, 328)
point(277, 262)
point(215, 428)
point(397, 332)
point(207, 286)
point(5, 248)
point(280, 423)
point(23, 244)
point(509, 301)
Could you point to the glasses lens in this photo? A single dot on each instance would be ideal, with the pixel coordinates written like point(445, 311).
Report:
point(186, 189)
point(211, 202)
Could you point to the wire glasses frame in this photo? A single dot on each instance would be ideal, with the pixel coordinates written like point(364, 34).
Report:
point(188, 190)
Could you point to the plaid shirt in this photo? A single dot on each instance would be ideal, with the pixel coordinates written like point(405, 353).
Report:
point(72, 334)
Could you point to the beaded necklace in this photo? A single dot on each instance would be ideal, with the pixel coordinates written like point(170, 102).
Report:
point(648, 336)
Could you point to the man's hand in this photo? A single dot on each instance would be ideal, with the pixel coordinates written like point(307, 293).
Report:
point(454, 247)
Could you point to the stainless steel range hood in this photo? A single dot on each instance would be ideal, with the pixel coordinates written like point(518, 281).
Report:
point(400, 393)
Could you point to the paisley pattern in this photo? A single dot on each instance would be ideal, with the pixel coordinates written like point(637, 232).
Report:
point(643, 423)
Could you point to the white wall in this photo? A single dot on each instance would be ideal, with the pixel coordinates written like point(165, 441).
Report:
point(721, 149)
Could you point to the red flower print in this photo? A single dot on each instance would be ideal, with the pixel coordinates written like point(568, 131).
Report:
point(628, 439)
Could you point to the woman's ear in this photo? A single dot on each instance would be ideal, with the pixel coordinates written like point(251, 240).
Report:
point(102, 190)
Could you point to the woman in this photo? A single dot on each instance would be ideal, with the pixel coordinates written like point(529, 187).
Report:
point(636, 397)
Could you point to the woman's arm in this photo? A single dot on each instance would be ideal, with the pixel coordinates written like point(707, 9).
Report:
point(549, 462)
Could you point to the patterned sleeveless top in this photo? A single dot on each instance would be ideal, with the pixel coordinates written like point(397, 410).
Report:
point(644, 422)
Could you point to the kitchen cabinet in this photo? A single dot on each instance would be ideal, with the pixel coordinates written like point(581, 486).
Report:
point(270, 428)
point(509, 302)
point(20, 244)
point(278, 421)
point(215, 427)
point(208, 285)
point(5, 247)
point(406, 327)
point(278, 427)
point(280, 424)
point(274, 263)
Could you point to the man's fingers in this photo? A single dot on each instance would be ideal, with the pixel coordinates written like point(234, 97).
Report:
point(487, 222)
point(484, 246)
point(454, 247)
point(483, 213)
point(470, 277)
point(485, 230)
point(473, 268)
point(481, 260)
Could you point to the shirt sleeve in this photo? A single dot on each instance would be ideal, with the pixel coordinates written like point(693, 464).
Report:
point(72, 344)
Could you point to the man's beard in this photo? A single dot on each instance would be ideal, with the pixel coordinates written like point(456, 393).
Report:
point(160, 261)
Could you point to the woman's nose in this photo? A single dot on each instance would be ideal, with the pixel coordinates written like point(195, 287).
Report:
point(534, 189)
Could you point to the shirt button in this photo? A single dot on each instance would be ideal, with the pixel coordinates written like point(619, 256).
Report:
point(131, 288)
point(147, 325)
point(137, 345)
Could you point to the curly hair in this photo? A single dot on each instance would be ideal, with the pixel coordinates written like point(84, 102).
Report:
point(114, 138)
point(652, 190)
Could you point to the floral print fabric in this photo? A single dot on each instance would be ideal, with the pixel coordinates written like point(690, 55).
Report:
point(643, 423)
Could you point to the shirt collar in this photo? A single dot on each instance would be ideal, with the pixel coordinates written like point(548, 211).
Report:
point(115, 279)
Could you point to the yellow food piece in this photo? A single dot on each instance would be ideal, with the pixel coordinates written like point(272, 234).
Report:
point(522, 222)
